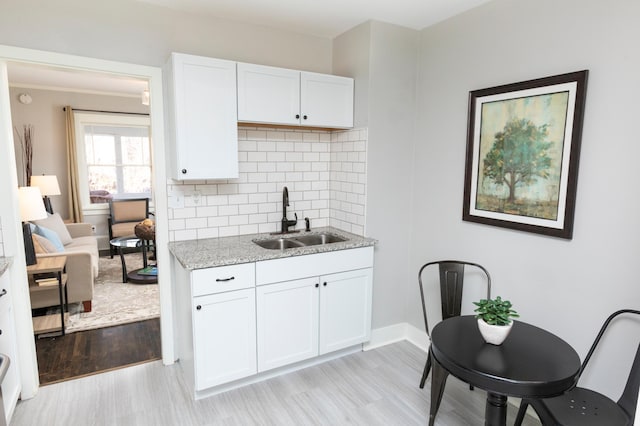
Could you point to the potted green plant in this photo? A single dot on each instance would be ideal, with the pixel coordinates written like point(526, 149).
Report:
point(495, 319)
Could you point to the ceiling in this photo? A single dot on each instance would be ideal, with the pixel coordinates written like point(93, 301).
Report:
point(326, 18)
point(49, 78)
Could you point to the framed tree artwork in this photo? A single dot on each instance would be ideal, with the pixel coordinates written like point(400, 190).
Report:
point(523, 150)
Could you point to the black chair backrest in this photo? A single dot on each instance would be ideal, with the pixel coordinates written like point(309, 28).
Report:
point(451, 286)
point(629, 397)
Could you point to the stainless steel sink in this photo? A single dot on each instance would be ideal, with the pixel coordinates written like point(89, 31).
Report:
point(315, 239)
point(278, 243)
point(301, 241)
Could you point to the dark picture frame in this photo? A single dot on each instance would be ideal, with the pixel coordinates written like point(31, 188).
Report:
point(523, 151)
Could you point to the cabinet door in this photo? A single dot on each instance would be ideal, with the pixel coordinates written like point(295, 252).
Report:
point(224, 337)
point(11, 383)
point(268, 94)
point(206, 130)
point(287, 322)
point(345, 309)
point(326, 100)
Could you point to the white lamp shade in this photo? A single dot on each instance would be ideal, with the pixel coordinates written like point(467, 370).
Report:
point(48, 184)
point(31, 206)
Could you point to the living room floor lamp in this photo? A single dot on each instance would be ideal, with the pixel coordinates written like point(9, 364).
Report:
point(48, 185)
point(31, 208)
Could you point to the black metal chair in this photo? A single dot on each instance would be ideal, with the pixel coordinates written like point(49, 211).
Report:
point(585, 407)
point(451, 286)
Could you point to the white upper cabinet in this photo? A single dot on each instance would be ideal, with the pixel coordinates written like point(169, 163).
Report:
point(201, 117)
point(288, 97)
point(268, 94)
point(326, 100)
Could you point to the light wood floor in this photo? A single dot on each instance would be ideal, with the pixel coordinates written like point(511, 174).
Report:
point(377, 387)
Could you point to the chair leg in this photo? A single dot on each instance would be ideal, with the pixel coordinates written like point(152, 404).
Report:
point(438, 381)
point(425, 372)
point(521, 412)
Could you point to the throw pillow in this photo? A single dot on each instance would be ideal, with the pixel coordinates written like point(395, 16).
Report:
point(42, 245)
point(55, 223)
point(50, 235)
point(37, 247)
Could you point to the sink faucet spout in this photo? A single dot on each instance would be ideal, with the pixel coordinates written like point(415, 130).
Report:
point(286, 223)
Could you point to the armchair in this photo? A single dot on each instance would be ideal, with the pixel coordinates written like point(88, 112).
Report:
point(124, 215)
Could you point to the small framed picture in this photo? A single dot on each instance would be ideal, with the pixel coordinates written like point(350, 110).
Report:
point(523, 150)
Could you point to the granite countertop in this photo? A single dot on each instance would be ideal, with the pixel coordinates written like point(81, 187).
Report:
point(5, 262)
point(211, 252)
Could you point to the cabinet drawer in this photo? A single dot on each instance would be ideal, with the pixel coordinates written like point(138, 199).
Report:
point(223, 278)
point(293, 268)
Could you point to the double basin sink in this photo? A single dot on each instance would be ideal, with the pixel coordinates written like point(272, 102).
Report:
point(281, 243)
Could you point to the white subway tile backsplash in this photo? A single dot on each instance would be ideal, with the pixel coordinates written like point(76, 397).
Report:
point(324, 171)
point(294, 156)
point(293, 136)
point(228, 231)
point(228, 188)
point(217, 221)
point(195, 223)
point(190, 234)
point(208, 233)
point(248, 209)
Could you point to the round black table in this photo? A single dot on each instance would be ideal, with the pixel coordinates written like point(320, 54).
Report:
point(135, 277)
point(531, 363)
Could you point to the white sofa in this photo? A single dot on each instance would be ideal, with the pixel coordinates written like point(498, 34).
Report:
point(81, 267)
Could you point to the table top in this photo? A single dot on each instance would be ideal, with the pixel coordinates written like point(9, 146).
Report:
point(531, 362)
point(47, 264)
point(130, 241)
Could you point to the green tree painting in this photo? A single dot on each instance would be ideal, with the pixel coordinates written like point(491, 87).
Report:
point(519, 155)
point(521, 145)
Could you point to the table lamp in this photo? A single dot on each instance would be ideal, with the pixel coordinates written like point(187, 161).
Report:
point(31, 208)
point(48, 185)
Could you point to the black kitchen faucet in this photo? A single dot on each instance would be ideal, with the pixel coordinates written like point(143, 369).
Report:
point(286, 223)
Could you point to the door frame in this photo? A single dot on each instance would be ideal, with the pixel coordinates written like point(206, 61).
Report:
point(11, 230)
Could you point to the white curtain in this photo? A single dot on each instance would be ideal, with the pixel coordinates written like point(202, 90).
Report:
point(75, 209)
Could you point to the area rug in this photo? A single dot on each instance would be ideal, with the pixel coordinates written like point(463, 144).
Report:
point(115, 302)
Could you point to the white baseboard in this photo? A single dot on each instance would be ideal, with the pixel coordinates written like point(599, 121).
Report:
point(395, 333)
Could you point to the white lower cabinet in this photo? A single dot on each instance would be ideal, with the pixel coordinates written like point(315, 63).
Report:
point(11, 386)
point(303, 318)
point(287, 322)
point(345, 309)
point(216, 324)
point(224, 337)
point(236, 321)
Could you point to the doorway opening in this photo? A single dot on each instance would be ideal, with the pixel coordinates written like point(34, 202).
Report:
point(49, 151)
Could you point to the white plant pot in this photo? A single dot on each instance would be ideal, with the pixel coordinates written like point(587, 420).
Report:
point(494, 334)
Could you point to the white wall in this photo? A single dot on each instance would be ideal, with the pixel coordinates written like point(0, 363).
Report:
point(351, 56)
point(384, 64)
point(139, 33)
point(45, 113)
point(567, 287)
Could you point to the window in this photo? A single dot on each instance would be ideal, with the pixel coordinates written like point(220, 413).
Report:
point(114, 157)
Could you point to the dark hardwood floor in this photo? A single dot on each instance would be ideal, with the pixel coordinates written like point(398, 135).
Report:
point(96, 351)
